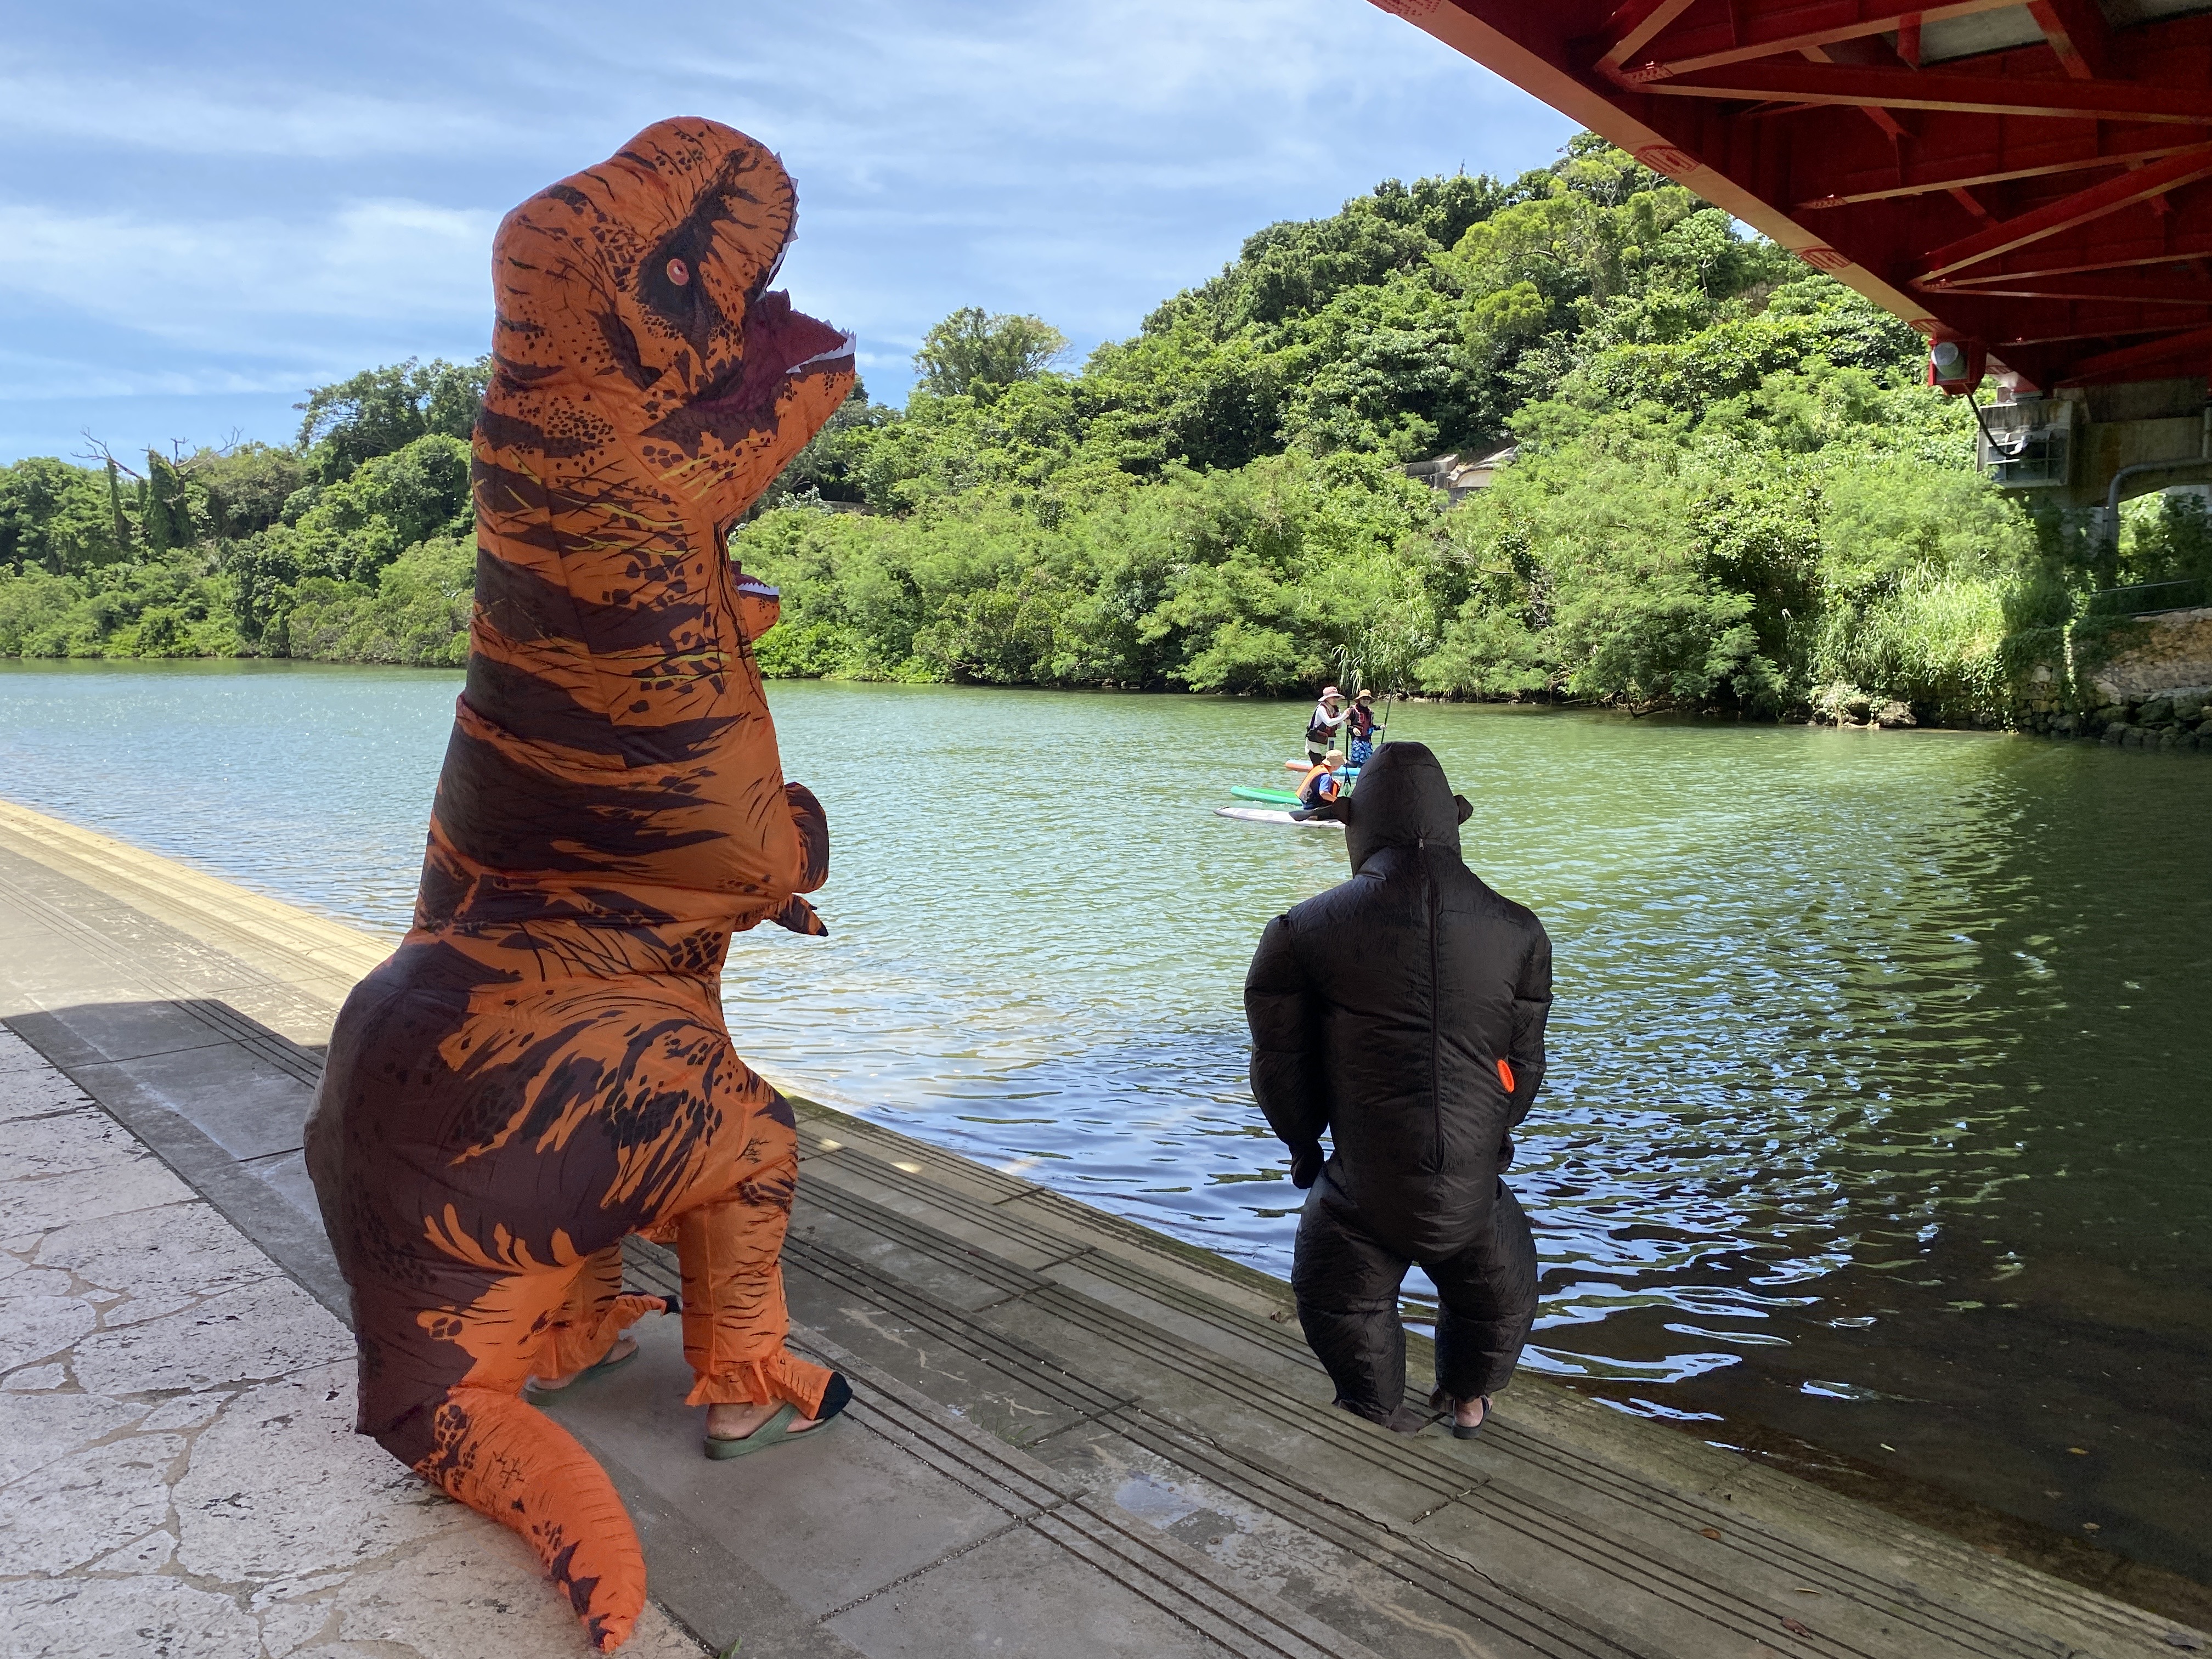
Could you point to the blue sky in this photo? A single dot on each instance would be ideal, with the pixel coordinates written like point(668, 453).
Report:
point(205, 209)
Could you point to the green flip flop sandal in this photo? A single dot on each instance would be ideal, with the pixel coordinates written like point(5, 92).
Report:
point(778, 1431)
point(542, 1398)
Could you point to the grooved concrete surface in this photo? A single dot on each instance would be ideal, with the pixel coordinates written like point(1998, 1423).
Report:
point(1071, 1435)
point(179, 1474)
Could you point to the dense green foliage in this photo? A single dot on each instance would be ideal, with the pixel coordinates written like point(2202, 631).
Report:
point(1731, 490)
point(354, 544)
point(970, 350)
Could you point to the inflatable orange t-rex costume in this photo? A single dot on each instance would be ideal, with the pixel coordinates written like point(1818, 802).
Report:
point(543, 1068)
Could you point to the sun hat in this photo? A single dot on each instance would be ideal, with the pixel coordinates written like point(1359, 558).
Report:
point(1364, 696)
point(1328, 691)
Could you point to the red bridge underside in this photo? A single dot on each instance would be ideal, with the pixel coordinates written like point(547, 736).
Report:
point(2036, 177)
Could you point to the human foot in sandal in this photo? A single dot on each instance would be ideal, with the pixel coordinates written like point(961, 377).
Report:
point(738, 1422)
point(1468, 1416)
point(734, 1430)
point(539, 1389)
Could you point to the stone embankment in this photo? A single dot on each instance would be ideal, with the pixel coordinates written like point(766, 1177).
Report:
point(2178, 719)
point(1844, 704)
point(2150, 687)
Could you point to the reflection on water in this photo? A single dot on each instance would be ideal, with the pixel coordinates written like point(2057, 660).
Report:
point(1878, 1102)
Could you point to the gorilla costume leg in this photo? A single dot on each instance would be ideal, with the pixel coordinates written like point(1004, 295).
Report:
point(1347, 1284)
point(1347, 1287)
point(1488, 1292)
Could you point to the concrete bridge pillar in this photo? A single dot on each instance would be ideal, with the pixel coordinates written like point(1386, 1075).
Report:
point(2095, 446)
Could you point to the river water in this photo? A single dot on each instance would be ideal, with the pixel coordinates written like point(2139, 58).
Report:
point(1876, 1135)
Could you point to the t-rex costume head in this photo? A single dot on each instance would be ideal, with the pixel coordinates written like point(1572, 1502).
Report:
point(543, 1068)
point(613, 741)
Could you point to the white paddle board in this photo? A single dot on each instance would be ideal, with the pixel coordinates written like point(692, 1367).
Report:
point(1260, 815)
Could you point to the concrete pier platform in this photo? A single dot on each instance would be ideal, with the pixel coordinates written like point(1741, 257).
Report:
point(1071, 1435)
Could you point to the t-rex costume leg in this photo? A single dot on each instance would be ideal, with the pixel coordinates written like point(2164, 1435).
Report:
point(543, 1067)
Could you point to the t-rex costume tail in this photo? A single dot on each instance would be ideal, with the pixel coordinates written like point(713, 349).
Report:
point(543, 1067)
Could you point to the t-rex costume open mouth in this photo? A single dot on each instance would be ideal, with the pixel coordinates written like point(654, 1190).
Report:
point(543, 1068)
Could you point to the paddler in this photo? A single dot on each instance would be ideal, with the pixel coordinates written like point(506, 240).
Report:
point(1321, 725)
point(1320, 786)
point(1360, 722)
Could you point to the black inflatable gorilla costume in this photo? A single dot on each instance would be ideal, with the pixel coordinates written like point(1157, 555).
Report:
point(1402, 1013)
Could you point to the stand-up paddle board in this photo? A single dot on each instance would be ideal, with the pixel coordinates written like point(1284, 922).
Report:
point(1257, 815)
point(1272, 797)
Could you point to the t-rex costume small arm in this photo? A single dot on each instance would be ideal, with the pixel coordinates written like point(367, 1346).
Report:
point(543, 1067)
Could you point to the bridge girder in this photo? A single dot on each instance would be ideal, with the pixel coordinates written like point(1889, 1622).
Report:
point(2029, 176)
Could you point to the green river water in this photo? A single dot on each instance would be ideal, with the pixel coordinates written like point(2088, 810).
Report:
point(1876, 1135)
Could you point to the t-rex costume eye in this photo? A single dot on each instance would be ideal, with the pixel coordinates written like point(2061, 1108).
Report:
point(543, 1068)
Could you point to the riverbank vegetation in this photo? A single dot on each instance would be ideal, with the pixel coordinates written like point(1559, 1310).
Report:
point(1729, 489)
point(355, 544)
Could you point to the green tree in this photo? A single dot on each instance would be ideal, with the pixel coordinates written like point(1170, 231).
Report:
point(219, 550)
point(55, 517)
point(829, 468)
point(379, 411)
point(245, 487)
point(1731, 493)
point(119, 524)
point(166, 513)
point(971, 353)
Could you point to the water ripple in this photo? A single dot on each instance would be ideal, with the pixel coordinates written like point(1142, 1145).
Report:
point(1877, 1106)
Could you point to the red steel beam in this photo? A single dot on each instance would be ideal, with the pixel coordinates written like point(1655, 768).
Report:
point(2130, 363)
point(2076, 31)
point(1888, 125)
point(1966, 199)
point(1629, 28)
point(1983, 95)
point(2103, 338)
point(1908, 38)
point(2068, 212)
point(2140, 290)
point(2168, 251)
point(1543, 52)
point(1998, 123)
point(1774, 31)
point(1927, 180)
point(2091, 316)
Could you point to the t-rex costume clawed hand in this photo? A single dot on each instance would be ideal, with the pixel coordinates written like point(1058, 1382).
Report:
point(543, 1067)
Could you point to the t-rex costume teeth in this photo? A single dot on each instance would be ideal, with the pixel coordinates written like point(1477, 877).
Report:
point(542, 1067)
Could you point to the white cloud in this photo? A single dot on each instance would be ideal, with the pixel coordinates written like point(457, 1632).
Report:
point(69, 103)
point(202, 282)
point(315, 189)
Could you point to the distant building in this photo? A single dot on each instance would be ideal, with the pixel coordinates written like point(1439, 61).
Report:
point(1458, 476)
